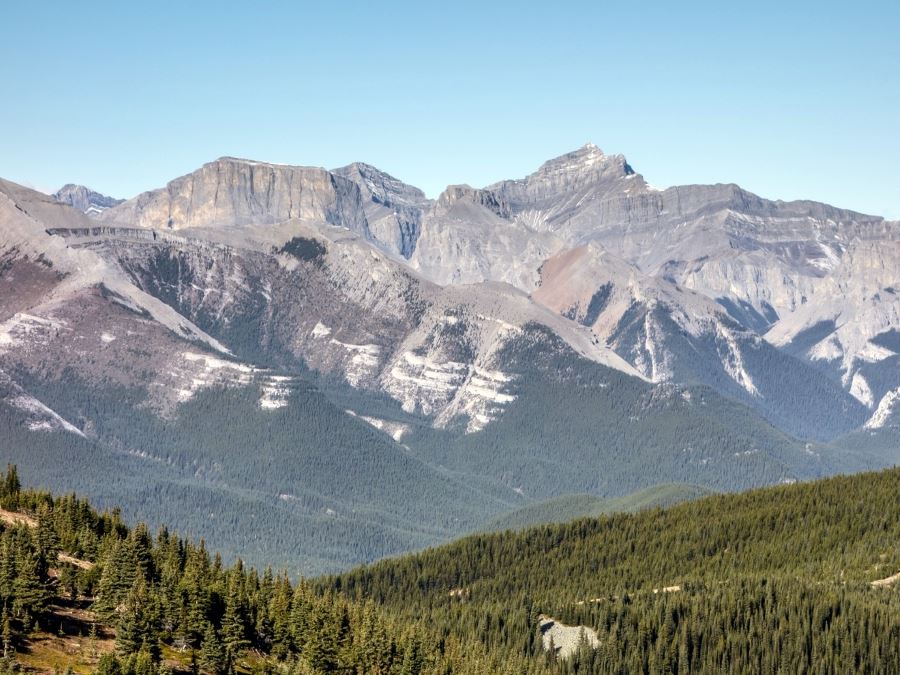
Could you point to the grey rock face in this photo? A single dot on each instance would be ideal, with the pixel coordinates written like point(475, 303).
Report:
point(232, 192)
point(393, 208)
point(84, 199)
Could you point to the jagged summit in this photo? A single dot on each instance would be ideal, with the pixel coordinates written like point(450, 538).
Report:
point(588, 159)
point(381, 186)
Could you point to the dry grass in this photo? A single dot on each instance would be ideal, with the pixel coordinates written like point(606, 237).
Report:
point(65, 642)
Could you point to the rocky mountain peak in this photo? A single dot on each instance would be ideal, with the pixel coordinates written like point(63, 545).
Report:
point(84, 199)
point(588, 159)
point(582, 170)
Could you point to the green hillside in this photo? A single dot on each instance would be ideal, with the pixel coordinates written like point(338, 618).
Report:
point(570, 507)
point(773, 580)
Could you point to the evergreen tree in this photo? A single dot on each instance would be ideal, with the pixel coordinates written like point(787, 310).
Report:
point(322, 641)
point(30, 596)
point(46, 538)
point(212, 654)
point(9, 496)
point(116, 580)
point(234, 624)
point(138, 627)
point(108, 665)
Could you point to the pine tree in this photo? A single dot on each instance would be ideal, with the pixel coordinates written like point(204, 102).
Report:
point(280, 617)
point(7, 638)
point(413, 659)
point(46, 538)
point(9, 497)
point(109, 665)
point(301, 617)
point(7, 570)
point(322, 641)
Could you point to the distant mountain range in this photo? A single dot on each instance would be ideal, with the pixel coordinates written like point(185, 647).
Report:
point(333, 367)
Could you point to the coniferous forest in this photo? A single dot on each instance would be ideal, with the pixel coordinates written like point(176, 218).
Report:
point(791, 579)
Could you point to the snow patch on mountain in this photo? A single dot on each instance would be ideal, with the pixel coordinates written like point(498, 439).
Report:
point(449, 389)
point(203, 371)
point(28, 331)
point(651, 360)
point(396, 430)
point(275, 391)
point(320, 330)
point(422, 384)
point(565, 640)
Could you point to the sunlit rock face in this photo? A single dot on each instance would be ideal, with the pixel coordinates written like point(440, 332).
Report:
point(232, 192)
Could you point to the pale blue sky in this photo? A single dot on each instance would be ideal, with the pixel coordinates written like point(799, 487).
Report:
point(790, 102)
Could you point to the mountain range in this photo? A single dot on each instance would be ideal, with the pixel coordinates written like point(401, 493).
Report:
point(320, 368)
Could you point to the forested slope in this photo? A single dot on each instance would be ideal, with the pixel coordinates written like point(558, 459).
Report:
point(774, 580)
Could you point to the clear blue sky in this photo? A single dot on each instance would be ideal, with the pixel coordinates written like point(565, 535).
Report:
point(790, 102)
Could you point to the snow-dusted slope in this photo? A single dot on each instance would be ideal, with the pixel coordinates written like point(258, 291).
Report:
point(69, 309)
point(322, 297)
point(672, 334)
